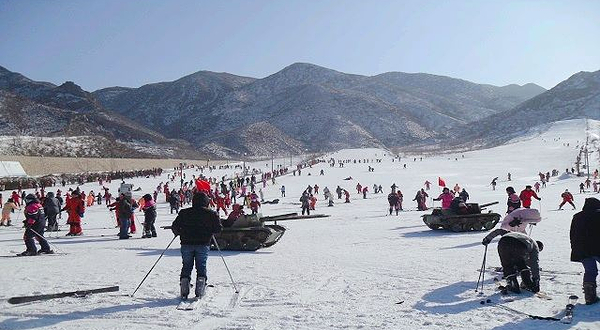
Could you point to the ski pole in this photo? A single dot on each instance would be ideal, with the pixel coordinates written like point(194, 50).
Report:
point(157, 260)
point(44, 238)
point(482, 271)
point(531, 228)
point(221, 253)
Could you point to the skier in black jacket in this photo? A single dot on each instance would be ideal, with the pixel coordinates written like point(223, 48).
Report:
point(195, 227)
point(519, 255)
point(51, 208)
point(393, 200)
point(585, 245)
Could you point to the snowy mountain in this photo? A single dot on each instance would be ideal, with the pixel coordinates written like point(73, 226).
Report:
point(576, 97)
point(38, 109)
point(310, 107)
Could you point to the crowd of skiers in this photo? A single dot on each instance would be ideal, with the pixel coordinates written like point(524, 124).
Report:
point(79, 179)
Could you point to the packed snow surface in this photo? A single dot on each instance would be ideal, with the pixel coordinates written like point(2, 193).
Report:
point(359, 268)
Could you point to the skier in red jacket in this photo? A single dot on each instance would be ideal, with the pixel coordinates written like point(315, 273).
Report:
point(526, 195)
point(567, 198)
point(75, 208)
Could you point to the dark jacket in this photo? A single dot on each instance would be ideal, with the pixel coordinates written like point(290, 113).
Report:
point(305, 200)
point(393, 199)
point(585, 231)
point(174, 199)
point(125, 208)
point(196, 225)
point(531, 258)
point(51, 205)
point(150, 214)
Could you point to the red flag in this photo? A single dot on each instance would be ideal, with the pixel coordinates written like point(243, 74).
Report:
point(441, 182)
point(202, 185)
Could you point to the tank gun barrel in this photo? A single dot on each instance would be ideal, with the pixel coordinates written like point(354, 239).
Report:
point(488, 204)
point(297, 217)
point(275, 217)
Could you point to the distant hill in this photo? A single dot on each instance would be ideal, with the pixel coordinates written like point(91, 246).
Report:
point(576, 97)
point(308, 107)
point(37, 109)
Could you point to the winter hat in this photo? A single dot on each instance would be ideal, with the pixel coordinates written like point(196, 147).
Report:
point(540, 245)
point(200, 199)
point(30, 199)
point(510, 190)
point(147, 197)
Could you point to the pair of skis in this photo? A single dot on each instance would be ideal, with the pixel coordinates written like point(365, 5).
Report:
point(566, 319)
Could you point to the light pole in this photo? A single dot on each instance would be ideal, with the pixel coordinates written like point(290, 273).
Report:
point(244, 165)
point(181, 174)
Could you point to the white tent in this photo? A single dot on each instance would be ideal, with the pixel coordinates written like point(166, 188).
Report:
point(11, 169)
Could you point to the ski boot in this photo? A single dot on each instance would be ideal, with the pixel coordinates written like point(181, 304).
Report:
point(589, 289)
point(45, 252)
point(529, 283)
point(200, 287)
point(512, 284)
point(184, 285)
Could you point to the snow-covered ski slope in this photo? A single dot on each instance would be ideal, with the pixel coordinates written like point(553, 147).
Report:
point(348, 271)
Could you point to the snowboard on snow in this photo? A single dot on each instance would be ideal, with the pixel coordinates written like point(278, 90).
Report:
point(78, 293)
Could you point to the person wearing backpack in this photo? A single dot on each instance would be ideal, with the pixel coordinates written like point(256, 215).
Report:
point(125, 211)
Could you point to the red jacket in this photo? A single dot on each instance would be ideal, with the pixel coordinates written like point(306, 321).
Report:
point(567, 197)
point(75, 208)
point(526, 195)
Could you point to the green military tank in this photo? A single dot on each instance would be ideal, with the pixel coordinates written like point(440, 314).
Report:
point(250, 233)
point(472, 219)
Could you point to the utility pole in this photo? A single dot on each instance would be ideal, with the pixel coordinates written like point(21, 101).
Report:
point(244, 165)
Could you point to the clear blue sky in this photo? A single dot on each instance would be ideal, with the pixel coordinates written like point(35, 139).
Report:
point(130, 43)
